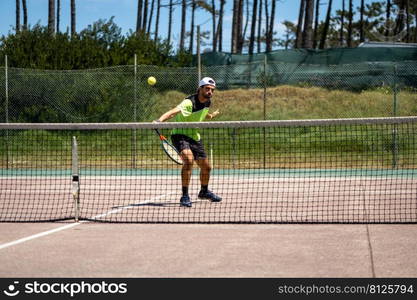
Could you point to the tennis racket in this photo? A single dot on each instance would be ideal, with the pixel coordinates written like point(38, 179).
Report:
point(169, 149)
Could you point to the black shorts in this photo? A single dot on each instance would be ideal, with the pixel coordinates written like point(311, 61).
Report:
point(182, 142)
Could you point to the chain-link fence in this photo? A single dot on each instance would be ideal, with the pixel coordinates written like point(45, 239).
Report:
point(250, 91)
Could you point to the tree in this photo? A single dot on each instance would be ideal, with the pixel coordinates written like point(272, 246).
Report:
point(290, 32)
point(342, 24)
point(106, 32)
point(139, 17)
point(145, 14)
point(17, 16)
point(326, 26)
point(403, 19)
point(413, 9)
point(253, 26)
point(316, 24)
point(51, 16)
point(350, 25)
point(213, 18)
point(236, 25)
point(220, 25)
point(191, 44)
point(25, 15)
point(407, 11)
point(266, 4)
point(399, 24)
point(58, 14)
point(308, 25)
point(388, 18)
point(73, 18)
point(245, 28)
point(270, 34)
point(158, 11)
point(299, 34)
point(258, 40)
point(373, 23)
point(170, 11)
point(361, 25)
point(183, 20)
point(265, 37)
point(148, 30)
point(241, 35)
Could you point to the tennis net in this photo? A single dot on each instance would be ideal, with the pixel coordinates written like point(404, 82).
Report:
point(297, 171)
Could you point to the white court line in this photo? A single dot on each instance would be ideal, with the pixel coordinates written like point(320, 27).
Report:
point(68, 226)
point(38, 235)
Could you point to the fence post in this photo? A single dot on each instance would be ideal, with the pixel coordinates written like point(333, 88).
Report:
point(395, 103)
point(135, 100)
point(265, 83)
point(6, 89)
point(394, 129)
point(135, 92)
point(6, 108)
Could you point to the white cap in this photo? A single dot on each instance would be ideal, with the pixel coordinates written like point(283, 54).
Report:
point(207, 81)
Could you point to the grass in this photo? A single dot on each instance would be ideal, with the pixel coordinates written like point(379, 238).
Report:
point(292, 102)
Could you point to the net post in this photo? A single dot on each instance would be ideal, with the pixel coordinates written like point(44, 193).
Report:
point(75, 179)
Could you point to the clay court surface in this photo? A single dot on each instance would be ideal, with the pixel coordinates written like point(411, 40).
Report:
point(247, 198)
point(89, 249)
point(153, 250)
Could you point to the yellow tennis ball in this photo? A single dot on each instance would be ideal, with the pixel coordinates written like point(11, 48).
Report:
point(151, 80)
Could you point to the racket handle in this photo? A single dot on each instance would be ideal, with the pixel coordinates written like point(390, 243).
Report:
point(161, 137)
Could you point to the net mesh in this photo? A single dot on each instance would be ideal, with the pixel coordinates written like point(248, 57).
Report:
point(300, 171)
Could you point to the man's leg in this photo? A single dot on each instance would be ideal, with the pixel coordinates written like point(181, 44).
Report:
point(205, 169)
point(188, 160)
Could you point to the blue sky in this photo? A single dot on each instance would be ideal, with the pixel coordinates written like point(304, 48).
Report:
point(125, 11)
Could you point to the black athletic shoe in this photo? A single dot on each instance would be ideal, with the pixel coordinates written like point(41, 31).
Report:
point(185, 201)
point(209, 195)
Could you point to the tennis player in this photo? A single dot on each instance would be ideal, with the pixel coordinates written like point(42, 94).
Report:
point(187, 141)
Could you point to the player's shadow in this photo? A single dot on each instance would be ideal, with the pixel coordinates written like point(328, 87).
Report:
point(155, 204)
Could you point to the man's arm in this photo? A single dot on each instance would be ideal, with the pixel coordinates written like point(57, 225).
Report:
point(169, 114)
point(212, 115)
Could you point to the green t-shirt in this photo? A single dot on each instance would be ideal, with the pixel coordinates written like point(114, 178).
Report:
point(192, 110)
